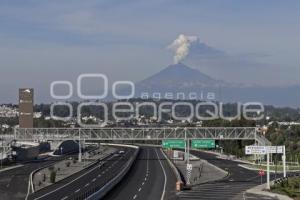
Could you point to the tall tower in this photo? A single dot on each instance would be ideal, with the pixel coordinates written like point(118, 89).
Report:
point(26, 107)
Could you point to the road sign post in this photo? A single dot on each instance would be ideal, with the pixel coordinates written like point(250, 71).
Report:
point(185, 150)
point(188, 151)
point(175, 154)
point(262, 150)
point(284, 162)
point(268, 171)
point(189, 168)
point(79, 148)
point(261, 174)
point(279, 150)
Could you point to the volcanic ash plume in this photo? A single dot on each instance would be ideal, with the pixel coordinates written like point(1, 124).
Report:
point(181, 46)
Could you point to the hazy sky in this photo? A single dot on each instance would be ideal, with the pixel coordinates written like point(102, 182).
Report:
point(46, 40)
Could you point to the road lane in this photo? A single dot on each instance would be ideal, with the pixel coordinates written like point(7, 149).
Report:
point(14, 182)
point(149, 178)
point(86, 182)
point(232, 187)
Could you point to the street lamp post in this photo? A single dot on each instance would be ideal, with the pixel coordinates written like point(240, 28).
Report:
point(2, 152)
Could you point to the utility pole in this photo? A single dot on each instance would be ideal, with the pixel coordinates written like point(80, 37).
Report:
point(188, 151)
point(185, 145)
point(284, 162)
point(79, 146)
point(2, 151)
point(84, 158)
point(268, 171)
point(276, 155)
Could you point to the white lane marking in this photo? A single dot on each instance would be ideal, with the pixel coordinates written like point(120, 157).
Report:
point(30, 184)
point(140, 189)
point(65, 198)
point(86, 185)
point(165, 183)
point(254, 177)
point(94, 180)
point(145, 179)
point(28, 189)
point(244, 198)
point(135, 196)
point(143, 183)
point(93, 169)
point(99, 175)
point(77, 191)
point(147, 160)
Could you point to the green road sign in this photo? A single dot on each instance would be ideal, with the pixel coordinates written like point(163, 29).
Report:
point(170, 144)
point(203, 144)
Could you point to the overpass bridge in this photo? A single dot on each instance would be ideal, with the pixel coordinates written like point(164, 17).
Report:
point(140, 134)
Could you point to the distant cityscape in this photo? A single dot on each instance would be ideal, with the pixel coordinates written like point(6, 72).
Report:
point(9, 114)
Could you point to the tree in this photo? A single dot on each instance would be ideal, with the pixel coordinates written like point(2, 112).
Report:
point(52, 176)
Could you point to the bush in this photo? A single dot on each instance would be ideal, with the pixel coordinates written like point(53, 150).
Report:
point(68, 164)
point(52, 176)
point(51, 168)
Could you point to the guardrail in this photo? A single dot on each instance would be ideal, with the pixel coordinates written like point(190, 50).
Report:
point(174, 168)
point(280, 180)
point(30, 181)
point(31, 187)
point(61, 158)
point(97, 193)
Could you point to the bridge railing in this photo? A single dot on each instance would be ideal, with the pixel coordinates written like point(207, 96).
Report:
point(148, 133)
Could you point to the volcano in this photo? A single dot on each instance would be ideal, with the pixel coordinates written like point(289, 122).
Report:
point(179, 76)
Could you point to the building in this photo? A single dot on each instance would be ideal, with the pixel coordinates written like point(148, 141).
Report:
point(8, 111)
point(26, 107)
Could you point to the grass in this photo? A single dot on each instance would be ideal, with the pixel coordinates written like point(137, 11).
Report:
point(290, 187)
point(273, 167)
point(6, 166)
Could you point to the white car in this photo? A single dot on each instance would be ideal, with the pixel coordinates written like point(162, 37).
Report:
point(121, 152)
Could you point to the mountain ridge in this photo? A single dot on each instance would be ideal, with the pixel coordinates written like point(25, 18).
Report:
point(180, 78)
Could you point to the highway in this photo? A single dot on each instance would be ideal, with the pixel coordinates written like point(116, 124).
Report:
point(86, 182)
point(151, 178)
point(232, 187)
point(14, 182)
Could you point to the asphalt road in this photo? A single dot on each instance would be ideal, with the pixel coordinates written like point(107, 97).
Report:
point(86, 182)
point(14, 182)
point(150, 178)
point(231, 187)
